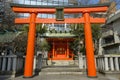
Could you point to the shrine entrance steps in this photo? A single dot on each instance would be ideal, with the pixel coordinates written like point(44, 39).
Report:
point(61, 70)
point(62, 62)
point(61, 67)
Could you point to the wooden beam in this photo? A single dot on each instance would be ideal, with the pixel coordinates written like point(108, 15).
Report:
point(22, 20)
point(49, 20)
point(53, 10)
point(97, 20)
point(52, 20)
point(82, 10)
point(37, 10)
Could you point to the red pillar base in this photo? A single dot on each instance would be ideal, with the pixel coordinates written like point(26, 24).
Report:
point(92, 76)
point(28, 77)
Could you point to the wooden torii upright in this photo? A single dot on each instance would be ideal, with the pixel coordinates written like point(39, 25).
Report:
point(33, 20)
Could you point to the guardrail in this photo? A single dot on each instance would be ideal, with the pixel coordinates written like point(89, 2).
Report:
point(11, 65)
point(109, 63)
point(104, 63)
point(83, 62)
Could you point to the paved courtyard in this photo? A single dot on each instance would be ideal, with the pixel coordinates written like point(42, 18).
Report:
point(67, 77)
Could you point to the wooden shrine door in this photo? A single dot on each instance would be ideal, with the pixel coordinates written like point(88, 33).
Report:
point(60, 52)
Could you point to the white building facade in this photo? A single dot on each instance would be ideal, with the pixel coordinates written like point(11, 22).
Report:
point(110, 40)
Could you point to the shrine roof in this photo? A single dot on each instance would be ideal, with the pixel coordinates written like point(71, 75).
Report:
point(54, 6)
point(59, 35)
point(60, 39)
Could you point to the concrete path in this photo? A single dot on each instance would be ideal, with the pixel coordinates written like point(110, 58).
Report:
point(67, 77)
point(65, 73)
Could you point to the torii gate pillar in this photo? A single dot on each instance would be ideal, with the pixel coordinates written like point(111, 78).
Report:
point(89, 46)
point(30, 46)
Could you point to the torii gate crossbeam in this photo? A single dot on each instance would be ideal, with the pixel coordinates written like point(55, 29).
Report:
point(52, 20)
point(86, 19)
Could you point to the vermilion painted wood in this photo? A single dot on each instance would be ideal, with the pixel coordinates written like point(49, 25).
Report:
point(53, 10)
point(30, 47)
point(53, 50)
point(52, 20)
point(60, 39)
point(59, 45)
point(89, 46)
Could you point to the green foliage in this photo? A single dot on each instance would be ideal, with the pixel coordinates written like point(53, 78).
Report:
point(8, 16)
point(41, 29)
point(24, 28)
point(78, 30)
point(20, 42)
point(43, 45)
point(96, 31)
point(77, 46)
point(53, 31)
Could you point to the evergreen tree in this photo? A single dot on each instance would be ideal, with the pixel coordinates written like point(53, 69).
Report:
point(79, 43)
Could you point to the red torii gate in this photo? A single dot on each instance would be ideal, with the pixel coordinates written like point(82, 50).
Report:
point(33, 20)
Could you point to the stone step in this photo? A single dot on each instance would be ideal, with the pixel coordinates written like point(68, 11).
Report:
point(61, 67)
point(62, 62)
point(61, 70)
point(59, 73)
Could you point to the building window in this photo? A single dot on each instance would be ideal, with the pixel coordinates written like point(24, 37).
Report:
point(109, 39)
point(27, 2)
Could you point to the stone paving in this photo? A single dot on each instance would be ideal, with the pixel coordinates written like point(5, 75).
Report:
point(65, 73)
point(67, 77)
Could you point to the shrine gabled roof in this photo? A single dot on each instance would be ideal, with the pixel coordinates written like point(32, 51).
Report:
point(59, 35)
point(54, 6)
point(60, 39)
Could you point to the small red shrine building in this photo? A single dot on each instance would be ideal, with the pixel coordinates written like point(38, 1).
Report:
point(60, 49)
